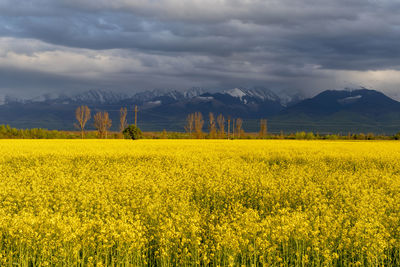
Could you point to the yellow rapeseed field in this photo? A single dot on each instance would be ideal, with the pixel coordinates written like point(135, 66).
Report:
point(199, 202)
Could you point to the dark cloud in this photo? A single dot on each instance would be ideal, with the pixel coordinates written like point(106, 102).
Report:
point(304, 45)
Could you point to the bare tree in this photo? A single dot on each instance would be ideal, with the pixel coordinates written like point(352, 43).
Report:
point(98, 121)
point(263, 128)
point(107, 122)
point(239, 129)
point(164, 134)
point(123, 112)
point(82, 115)
point(198, 124)
point(189, 124)
point(212, 127)
point(102, 123)
point(221, 126)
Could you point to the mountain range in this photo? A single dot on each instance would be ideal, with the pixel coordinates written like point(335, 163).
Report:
point(358, 110)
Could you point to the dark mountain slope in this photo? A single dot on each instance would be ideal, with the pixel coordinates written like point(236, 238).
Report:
point(360, 110)
point(363, 101)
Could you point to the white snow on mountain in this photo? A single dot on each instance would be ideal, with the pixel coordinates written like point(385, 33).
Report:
point(286, 100)
point(110, 97)
point(204, 98)
point(99, 96)
point(193, 92)
point(190, 93)
point(10, 99)
point(258, 93)
point(351, 89)
point(349, 100)
point(145, 96)
point(236, 92)
point(174, 94)
point(263, 94)
point(157, 102)
point(45, 97)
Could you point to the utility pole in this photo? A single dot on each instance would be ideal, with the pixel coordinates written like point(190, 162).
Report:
point(233, 129)
point(136, 110)
point(229, 125)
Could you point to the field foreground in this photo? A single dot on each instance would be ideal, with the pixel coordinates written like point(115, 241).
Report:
point(165, 202)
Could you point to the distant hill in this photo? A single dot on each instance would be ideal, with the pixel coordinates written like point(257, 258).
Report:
point(363, 101)
point(360, 110)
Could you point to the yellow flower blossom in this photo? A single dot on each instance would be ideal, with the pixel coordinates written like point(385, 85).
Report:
point(199, 202)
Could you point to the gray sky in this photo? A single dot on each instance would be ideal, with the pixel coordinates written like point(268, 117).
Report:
point(134, 45)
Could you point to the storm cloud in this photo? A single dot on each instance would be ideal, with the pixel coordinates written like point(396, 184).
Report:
point(292, 45)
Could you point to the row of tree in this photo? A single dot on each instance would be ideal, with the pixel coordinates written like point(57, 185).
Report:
point(7, 132)
point(216, 126)
point(101, 120)
point(194, 124)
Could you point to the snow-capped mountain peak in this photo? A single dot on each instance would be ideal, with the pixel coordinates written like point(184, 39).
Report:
point(176, 95)
point(146, 96)
point(257, 93)
point(263, 94)
point(288, 100)
point(98, 97)
point(236, 92)
point(193, 92)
